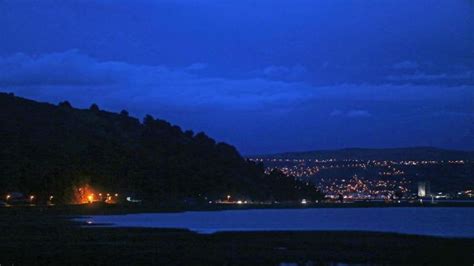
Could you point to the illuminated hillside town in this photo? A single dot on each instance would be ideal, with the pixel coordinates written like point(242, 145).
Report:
point(370, 179)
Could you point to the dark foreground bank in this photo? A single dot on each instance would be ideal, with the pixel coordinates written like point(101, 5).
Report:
point(46, 236)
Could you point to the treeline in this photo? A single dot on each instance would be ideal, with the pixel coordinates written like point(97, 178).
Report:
point(50, 149)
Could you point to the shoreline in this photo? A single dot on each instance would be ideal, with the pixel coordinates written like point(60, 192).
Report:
point(105, 209)
point(38, 236)
point(438, 222)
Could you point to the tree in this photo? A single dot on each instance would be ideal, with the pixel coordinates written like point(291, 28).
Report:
point(189, 133)
point(148, 120)
point(65, 104)
point(124, 113)
point(94, 108)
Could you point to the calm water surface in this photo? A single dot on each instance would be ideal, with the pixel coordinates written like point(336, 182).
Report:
point(446, 222)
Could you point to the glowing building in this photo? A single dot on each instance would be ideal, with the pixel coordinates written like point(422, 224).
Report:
point(423, 189)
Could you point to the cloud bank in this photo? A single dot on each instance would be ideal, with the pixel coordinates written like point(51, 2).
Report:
point(260, 104)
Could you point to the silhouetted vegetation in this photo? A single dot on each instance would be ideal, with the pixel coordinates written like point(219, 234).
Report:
point(47, 149)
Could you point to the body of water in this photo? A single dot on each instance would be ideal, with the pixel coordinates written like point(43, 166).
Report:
point(445, 222)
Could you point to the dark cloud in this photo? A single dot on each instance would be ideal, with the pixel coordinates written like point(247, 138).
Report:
point(296, 72)
point(466, 77)
point(351, 113)
point(359, 113)
point(179, 86)
point(197, 66)
point(406, 65)
point(69, 68)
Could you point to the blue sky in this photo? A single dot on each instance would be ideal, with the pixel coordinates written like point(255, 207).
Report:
point(266, 76)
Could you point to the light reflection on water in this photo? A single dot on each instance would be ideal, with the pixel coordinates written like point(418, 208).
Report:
point(446, 222)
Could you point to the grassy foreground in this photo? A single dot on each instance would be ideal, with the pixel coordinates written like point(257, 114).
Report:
point(40, 236)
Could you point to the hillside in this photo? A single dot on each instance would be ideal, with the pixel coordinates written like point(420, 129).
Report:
point(396, 154)
point(442, 168)
point(54, 149)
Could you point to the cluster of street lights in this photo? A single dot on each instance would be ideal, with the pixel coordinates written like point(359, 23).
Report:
point(108, 198)
point(29, 198)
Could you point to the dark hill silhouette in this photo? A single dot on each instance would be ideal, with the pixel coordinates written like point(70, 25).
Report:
point(46, 148)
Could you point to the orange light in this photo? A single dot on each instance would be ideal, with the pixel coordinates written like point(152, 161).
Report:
point(8, 197)
point(90, 198)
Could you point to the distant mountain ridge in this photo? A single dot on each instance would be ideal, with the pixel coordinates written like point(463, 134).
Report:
point(411, 153)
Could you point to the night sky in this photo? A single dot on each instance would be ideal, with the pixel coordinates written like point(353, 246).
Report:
point(266, 76)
